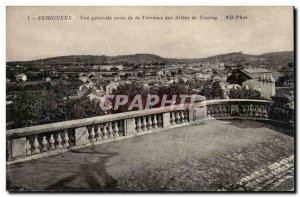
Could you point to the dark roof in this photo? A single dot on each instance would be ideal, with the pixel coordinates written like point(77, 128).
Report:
point(255, 73)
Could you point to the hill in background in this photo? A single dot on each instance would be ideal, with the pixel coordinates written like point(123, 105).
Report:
point(137, 59)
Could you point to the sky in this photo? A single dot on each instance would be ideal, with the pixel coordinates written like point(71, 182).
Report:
point(266, 29)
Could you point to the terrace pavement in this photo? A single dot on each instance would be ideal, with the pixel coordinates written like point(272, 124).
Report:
point(215, 155)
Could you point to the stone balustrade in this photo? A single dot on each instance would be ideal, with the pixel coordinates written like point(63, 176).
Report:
point(258, 109)
point(50, 139)
point(249, 109)
point(179, 117)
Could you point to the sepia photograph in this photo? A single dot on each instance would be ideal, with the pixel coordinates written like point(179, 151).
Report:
point(150, 99)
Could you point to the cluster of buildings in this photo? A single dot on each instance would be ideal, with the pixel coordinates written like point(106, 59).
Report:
point(259, 79)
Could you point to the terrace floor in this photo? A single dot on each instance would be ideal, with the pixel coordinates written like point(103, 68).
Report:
point(211, 156)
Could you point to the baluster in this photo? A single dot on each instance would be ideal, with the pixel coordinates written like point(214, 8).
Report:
point(256, 110)
point(66, 139)
point(36, 145)
point(244, 110)
point(144, 123)
point(110, 130)
point(241, 110)
point(216, 111)
point(220, 108)
point(182, 118)
point(259, 111)
point(138, 125)
point(52, 142)
point(105, 133)
point(159, 120)
point(59, 140)
point(28, 147)
point(229, 110)
point(238, 111)
point(265, 112)
point(248, 111)
point(121, 128)
point(98, 133)
point(186, 116)
point(224, 110)
point(155, 122)
point(178, 117)
point(172, 118)
point(211, 111)
point(87, 133)
point(251, 110)
point(116, 129)
point(92, 134)
point(44, 144)
point(149, 123)
point(208, 111)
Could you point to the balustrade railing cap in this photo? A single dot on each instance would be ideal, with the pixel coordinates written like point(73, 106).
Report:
point(233, 101)
point(199, 98)
point(19, 132)
point(86, 121)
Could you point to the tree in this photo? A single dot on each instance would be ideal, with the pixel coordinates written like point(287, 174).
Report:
point(217, 91)
point(80, 108)
point(33, 68)
point(10, 74)
point(243, 93)
point(282, 81)
point(131, 90)
point(34, 108)
point(21, 112)
point(212, 90)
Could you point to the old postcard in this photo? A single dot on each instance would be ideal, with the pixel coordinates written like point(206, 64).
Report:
point(150, 99)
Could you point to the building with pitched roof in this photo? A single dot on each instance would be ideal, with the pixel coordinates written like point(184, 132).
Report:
point(265, 84)
point(255, 73)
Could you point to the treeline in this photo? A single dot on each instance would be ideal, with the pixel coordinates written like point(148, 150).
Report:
point(38, 86)
point(31, 108)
